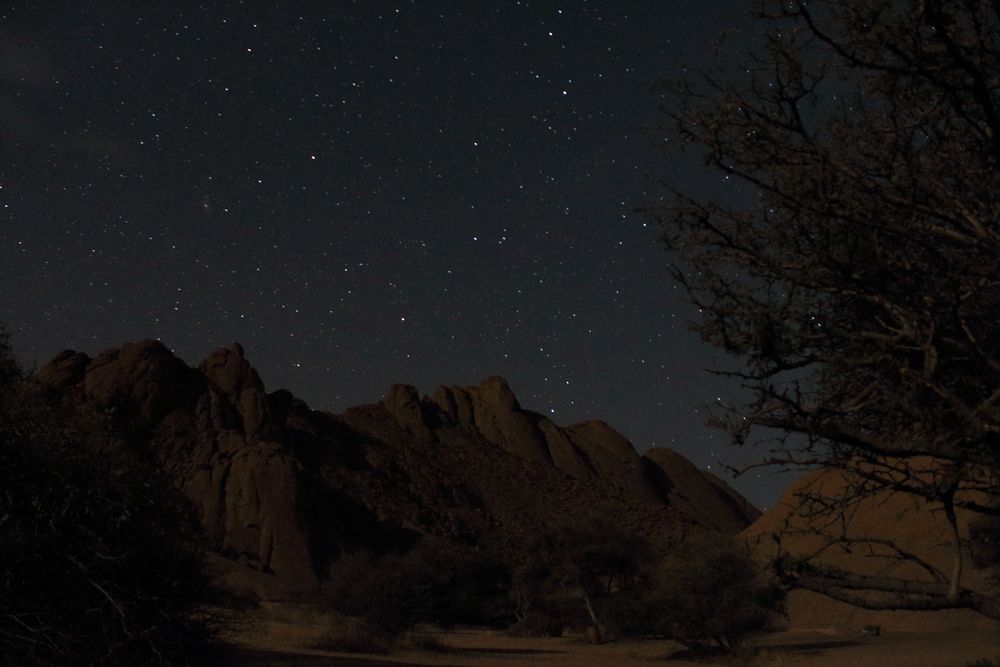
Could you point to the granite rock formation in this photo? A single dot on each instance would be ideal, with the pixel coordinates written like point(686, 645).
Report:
point(283, 490)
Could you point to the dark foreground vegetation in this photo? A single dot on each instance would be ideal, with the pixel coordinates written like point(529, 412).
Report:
point(94, 563)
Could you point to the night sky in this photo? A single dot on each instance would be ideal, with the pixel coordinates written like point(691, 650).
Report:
point(364, 193)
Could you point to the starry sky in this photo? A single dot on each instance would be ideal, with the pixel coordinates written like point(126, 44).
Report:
point(362, 193)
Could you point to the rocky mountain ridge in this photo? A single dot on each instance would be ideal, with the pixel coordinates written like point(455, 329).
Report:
point(285, 490)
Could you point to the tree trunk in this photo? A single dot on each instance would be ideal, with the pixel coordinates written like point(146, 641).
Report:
point(955, 580)
point(593, 617)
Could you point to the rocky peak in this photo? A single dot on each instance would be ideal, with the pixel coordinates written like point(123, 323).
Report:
point(491, 409)
point(402, 401)
point(228, 368)
point(212, 434)
point(268, 478)
point(229, 371)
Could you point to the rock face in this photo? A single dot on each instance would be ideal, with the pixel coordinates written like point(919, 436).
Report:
point(284, 490)
point(911, 523)
point(590, 451)
point(229, 372)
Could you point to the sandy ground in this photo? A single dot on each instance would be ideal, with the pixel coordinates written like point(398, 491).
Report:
point(477, 648)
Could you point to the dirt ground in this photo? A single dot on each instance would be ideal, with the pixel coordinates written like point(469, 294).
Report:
point(480, 648)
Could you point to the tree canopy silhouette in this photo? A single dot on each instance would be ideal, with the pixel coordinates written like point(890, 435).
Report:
point(859, 281)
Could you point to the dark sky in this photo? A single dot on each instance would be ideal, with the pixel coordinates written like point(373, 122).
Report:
point(363, 193)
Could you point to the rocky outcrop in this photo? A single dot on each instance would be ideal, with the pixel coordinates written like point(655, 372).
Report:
point(212, 432)
point(608, 455)
point(492, 410)
point(591, 451)
point(261, 511)
point(282, 490)
point(403, 402)
point(231, 374)
point(142, 378)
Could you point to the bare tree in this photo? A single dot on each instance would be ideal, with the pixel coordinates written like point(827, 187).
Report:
point(859, 280)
